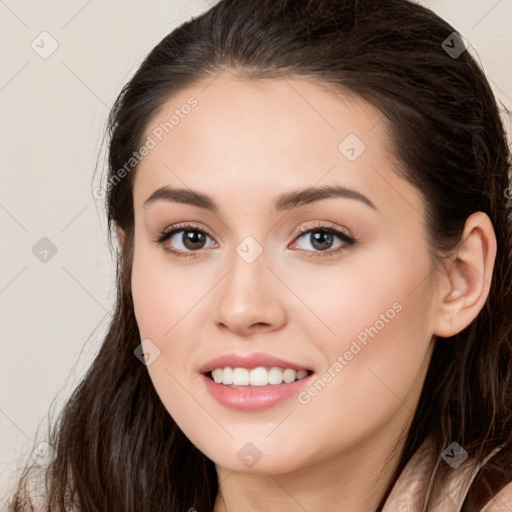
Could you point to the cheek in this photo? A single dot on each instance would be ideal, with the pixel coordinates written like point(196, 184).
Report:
point(154, 291)
point(161, 313)
point(374, 294)
point(369, 312)
point(378, 342)
point(167, 303)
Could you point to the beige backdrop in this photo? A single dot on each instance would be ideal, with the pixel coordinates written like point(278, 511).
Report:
point(63, 63)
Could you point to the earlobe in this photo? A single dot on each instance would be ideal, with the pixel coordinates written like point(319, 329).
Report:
point(467, 277)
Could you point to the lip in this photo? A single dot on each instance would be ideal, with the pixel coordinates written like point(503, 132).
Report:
point(250, 361)
point(255, 398)
point(252, 398)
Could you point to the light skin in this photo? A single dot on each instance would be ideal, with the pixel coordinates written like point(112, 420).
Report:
point(244, 144)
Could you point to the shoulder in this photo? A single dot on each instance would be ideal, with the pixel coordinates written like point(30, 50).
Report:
point(492, 488)
point(430, 482)
point(502, 502)
point(408, 493)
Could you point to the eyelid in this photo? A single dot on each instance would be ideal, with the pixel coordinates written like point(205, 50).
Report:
point(325, 225)
point(343, 234)
point(181, 226)
point(300, 231)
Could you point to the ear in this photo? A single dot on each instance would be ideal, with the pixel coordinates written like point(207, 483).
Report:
point(120, 237)
point(465, 279)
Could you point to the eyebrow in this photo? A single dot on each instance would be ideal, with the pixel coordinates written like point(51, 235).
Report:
point(286, 201)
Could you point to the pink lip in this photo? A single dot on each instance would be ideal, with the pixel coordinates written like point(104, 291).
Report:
point(249, 361)
point(251, 398)
point(255, 398)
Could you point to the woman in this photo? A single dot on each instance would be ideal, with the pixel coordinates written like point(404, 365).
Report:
point(311, 203)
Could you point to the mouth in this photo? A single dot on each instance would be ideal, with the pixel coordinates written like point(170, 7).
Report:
point(259, 377)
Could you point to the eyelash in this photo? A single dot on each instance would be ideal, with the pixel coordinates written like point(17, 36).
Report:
point(347, 240)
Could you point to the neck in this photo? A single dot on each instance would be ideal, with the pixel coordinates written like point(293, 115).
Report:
point(353, 481)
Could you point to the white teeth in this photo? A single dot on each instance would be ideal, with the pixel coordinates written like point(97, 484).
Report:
point(275, 376)
point(217, 375)
point(240, 376)
point(301, 374)
point(260, 376)
point(289, 375)
point(227, 376)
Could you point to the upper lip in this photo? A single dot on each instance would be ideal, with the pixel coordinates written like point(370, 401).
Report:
point(249, 361)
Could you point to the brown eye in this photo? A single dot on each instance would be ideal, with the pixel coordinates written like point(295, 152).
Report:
point(183, 240)
point(322, 238)
point(193, 239)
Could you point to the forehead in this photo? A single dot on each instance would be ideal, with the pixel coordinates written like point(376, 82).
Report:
point(234, 109)
point(266, 134)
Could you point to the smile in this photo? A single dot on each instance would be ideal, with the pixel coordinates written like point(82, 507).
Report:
point(256, 377)
point(250, 397)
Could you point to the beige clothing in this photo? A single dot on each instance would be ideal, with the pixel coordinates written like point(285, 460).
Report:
point(429, 484)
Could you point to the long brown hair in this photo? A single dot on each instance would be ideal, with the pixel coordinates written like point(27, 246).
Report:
point(117, 446)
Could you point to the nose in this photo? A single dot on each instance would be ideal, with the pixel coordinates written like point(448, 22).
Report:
point(249, 299)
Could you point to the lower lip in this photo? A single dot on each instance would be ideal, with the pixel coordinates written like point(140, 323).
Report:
point(254, 399)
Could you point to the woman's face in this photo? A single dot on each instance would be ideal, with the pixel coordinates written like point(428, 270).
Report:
point(359, 320)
